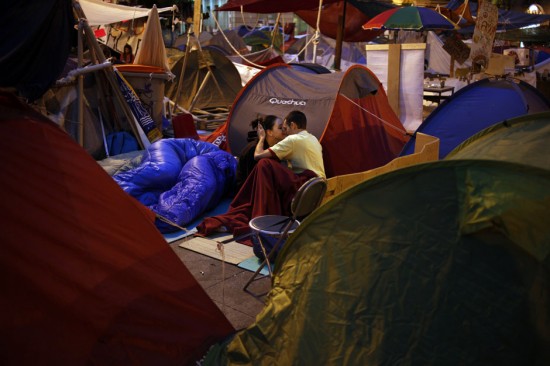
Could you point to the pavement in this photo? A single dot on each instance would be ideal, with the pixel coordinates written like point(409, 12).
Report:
point(224, 282)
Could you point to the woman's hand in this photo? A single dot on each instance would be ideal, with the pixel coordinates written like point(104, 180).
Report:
point(261, 131)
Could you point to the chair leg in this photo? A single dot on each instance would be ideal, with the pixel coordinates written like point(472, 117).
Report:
point(268, 257)
point(261, 264)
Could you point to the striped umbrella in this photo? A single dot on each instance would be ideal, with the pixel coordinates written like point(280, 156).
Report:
point(415, 18)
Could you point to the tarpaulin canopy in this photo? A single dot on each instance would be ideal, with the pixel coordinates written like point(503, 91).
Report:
point(443, 263)
point(271, 6)
point(507, 19)
point(357, 13)
point(99, 12)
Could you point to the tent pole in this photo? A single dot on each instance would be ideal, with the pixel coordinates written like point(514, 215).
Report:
point(182, 72)
point(201, 87)
point(340, 37)
point(197, 17)
point(80, 86)
point(316, 35)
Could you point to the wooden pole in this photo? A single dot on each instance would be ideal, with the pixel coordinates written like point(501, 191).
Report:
point(197, 17)
point(340, 35)
point(394, 72)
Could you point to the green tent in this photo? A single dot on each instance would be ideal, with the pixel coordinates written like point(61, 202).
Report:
point(445, 263)
point(522, 140)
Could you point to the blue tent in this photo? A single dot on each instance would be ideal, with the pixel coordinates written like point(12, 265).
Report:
point(476, 107)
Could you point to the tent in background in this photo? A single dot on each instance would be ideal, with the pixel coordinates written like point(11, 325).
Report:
point(476, 107)
point(412, 268)
point(302, 51)
point(348, 112)
point(86, 277)
point(521, 140)
point(200, 88)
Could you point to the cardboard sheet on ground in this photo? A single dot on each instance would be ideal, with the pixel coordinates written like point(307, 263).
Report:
point(233, 252)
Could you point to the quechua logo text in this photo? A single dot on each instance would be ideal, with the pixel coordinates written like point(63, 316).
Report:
point(283, 101)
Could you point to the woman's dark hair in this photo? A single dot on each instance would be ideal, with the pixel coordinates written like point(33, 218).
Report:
point(267, 123)
point(129, 47)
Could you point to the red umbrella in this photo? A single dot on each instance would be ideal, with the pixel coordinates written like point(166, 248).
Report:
point(272, 6)
point(328, 25)
point(414, 18)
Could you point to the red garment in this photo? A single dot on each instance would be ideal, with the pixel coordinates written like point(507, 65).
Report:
point(127, 58)
point(268, 190)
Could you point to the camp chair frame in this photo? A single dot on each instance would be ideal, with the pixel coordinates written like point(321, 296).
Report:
point(307, 199)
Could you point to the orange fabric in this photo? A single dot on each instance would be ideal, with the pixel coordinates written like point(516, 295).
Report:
point(140, 68)
point(219, 137)
point(382, 141)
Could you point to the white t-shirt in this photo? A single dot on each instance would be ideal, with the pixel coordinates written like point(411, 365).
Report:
point(303, 151)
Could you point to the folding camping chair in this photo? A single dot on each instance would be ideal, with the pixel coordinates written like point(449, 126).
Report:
point(307, 199)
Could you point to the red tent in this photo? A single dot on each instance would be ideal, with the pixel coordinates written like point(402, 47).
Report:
point(347, 111)
point(86, 277)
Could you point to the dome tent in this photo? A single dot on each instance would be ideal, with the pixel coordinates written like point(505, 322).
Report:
point(199, 87)
point(476, 107)
point(348, 112)
point(521, 140)
point(444, 263)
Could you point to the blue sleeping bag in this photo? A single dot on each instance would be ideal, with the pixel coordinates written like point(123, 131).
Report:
point(179, 179)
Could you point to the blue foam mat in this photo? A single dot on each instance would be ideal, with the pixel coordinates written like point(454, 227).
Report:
point(252, 264)
point(191, 227)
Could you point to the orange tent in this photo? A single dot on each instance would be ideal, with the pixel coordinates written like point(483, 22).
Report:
point(347, 111)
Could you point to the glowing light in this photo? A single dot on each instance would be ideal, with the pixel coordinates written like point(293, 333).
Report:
point(535, 9)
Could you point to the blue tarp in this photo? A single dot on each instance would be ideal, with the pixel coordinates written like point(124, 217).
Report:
point(476, 107)
point(507, 19)
point(179, 179)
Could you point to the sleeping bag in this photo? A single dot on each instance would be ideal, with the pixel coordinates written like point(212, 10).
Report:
point(179, 179)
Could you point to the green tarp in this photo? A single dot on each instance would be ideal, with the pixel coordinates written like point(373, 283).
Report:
point(445, 263)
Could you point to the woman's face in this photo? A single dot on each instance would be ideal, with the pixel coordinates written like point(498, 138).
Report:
point(276, 132)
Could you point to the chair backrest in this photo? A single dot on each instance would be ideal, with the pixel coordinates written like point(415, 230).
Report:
point(184, 126)
point(309, 197)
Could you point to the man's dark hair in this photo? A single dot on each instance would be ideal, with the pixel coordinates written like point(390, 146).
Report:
point(297, 117)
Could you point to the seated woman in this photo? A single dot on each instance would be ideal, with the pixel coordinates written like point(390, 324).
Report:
point(274, 133)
